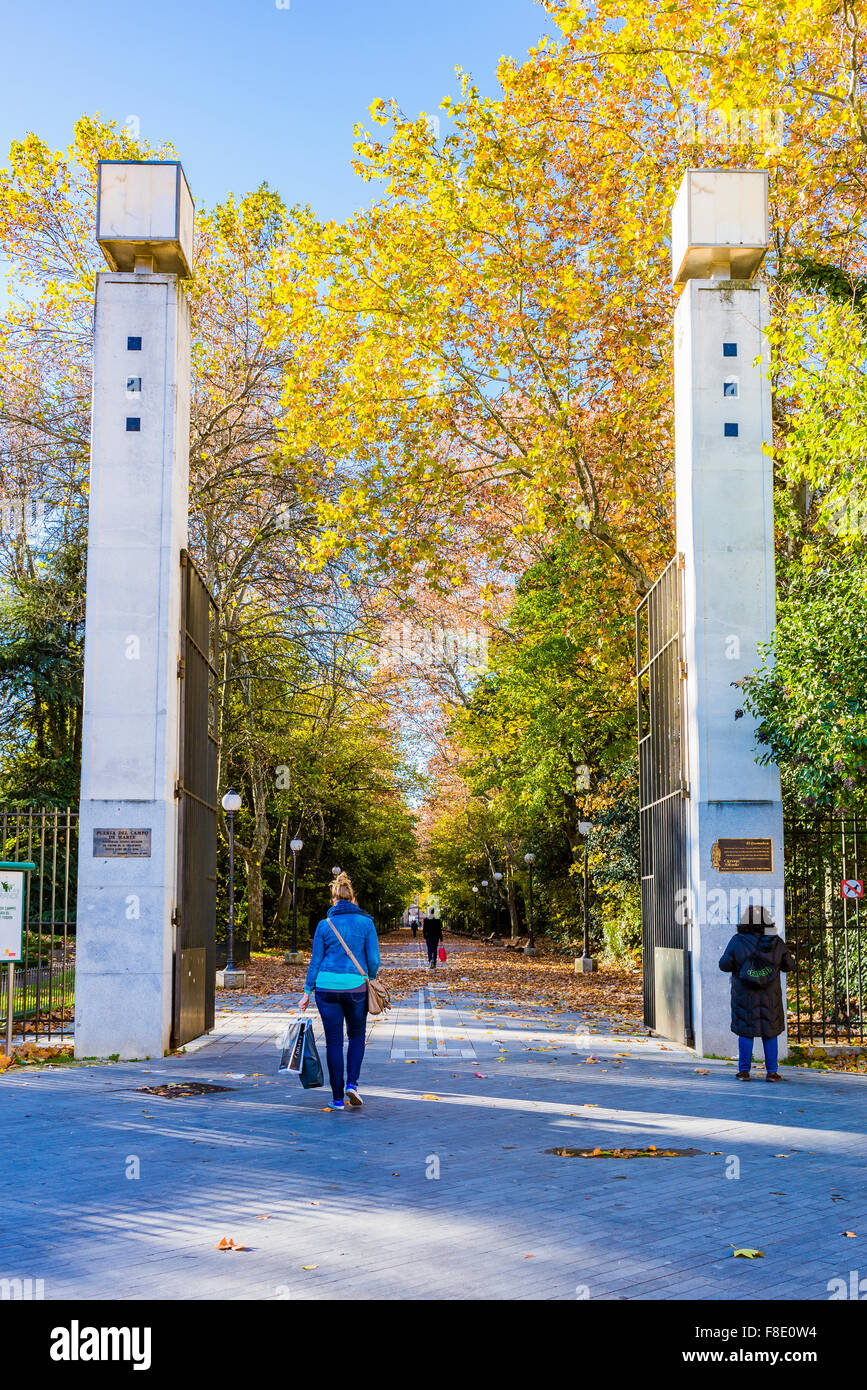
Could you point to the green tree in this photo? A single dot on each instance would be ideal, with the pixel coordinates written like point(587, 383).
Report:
point(546, 741)
point(41, 656)
point(810, 692)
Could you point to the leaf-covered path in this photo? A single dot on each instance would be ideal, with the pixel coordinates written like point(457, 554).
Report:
point(448, 1183)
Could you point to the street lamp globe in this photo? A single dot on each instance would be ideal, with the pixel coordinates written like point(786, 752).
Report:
point(585, 827)
point(296, 846)
point(475, 889)
point(336, 870)
point(231, 803)
point(498, 877)
point(484, 883)
point(529, 858)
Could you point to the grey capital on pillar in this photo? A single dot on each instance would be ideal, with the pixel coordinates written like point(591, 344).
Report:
point(139, 489)
point(725, 535)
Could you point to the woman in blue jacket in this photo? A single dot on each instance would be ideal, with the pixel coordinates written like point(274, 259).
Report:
point(341, 991)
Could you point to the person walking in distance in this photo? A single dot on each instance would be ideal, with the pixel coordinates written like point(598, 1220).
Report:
point(754, 958)
point(344, 945)
point(433, 935)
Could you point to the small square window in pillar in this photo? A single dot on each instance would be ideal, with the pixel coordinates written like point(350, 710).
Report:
point(730, 386)
point(730, 349)
point(133, 424)
point(133, 344)
point(133, 385)
point(730, 431)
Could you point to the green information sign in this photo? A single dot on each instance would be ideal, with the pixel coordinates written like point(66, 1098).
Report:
point(13, 887)
point(13, 890)
point(11, 913)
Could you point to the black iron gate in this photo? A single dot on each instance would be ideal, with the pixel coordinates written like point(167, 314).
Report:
point(195, 914)
point(663, 789)
point(827, 931)
point(43, 995)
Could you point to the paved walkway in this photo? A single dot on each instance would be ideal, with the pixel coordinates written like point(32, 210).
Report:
point(107, 1192)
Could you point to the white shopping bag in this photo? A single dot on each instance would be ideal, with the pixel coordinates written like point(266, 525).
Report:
point(292, 1045)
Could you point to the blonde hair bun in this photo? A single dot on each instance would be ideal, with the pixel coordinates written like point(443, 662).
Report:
point(342, 888)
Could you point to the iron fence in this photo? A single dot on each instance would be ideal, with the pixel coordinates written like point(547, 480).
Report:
point(44, 989)
point(827, 931)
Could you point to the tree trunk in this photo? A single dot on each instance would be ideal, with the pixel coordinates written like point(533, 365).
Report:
point(284, 900)
point(314, 860)
point(512, 850)
point(512, 899)
point(254, 854)
point(254, 902)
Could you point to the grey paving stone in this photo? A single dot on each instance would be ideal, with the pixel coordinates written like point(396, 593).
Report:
point(212, 1166)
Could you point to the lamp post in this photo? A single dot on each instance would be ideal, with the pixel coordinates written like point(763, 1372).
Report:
point(293, 956)
point(498, 878)
point(230, 977)
point(476, 898)
point(530, 948)
point(487, 902)
point(586, 964)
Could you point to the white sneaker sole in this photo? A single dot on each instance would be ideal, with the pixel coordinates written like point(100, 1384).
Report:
point(353, 1099)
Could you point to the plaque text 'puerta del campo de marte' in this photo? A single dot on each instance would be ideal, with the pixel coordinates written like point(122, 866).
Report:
point(113, 843)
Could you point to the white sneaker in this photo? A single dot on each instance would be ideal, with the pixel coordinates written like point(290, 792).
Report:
point(352, 1096)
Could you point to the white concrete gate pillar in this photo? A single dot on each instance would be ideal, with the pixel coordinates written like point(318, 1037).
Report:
point(725, 531)
point(139, 489)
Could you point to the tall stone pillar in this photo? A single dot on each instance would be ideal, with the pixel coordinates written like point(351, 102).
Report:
point(139, 489)
point(725, 531)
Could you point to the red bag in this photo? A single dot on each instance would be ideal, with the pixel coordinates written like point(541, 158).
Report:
point(442, 952)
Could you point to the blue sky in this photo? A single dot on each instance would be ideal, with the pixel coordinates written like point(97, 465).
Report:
point(246, 91)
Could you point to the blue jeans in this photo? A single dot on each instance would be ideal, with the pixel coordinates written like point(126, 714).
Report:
point(336, 1007)
point(745, 1053)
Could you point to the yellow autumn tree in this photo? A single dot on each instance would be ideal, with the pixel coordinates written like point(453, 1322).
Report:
point(484, 352)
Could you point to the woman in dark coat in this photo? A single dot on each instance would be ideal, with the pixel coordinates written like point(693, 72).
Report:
point(757, 1009)
point(433, 935)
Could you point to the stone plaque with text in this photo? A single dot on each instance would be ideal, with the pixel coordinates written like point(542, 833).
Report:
point(114, 843)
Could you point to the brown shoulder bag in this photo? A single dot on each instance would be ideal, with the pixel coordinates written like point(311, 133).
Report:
point(378, 994)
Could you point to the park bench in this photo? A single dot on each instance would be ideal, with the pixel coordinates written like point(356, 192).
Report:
point(518, 944)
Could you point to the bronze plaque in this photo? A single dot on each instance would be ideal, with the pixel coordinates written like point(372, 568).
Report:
point(121, 844)
point(743, 856)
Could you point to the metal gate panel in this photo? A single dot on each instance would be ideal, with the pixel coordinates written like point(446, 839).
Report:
point(827, 933)
point(670, 997)
point(663, 789)
point(196, 911)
